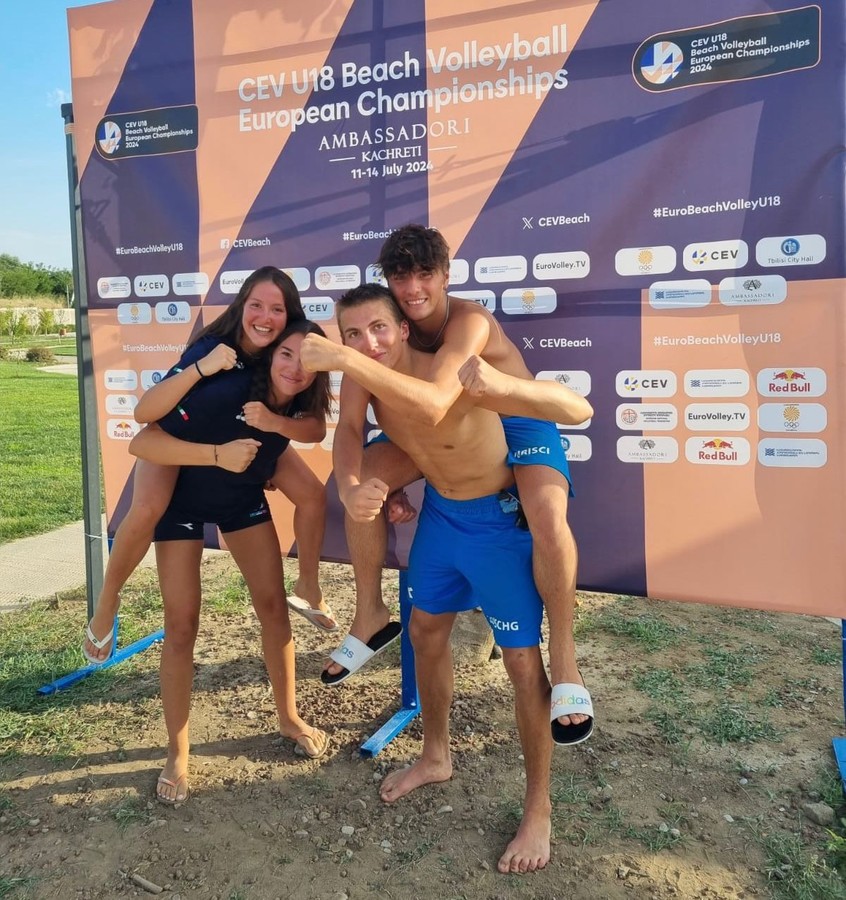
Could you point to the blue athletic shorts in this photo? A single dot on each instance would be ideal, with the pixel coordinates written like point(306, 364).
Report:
point(534, 442)
point(531, 442)
point(174, 526)
point(470, 553)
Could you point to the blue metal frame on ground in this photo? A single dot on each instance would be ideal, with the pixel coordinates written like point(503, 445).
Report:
point(410, 702)
point(118, 656)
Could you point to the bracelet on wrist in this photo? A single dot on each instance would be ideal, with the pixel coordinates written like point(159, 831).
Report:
point(199, 370)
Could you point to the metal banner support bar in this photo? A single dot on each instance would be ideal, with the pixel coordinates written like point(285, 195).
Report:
point(91, 507)
point(67, 680)
point(409, 699)
point(840, 742)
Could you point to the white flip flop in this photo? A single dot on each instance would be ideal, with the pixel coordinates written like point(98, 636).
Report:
point(297, 604)
point(99, 643)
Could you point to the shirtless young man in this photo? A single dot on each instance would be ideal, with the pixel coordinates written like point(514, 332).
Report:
point(415, 262)
point(468, 550)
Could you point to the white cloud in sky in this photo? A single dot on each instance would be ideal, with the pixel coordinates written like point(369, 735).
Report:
point(57, 97)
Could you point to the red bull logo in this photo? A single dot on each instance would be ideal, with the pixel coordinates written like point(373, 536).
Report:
point(121, 429)
point(717, 450)
point(789, 381)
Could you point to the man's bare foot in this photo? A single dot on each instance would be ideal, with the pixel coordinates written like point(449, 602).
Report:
point(172, 786)
point(363, 627)
point(404, 781)
point(529, 850)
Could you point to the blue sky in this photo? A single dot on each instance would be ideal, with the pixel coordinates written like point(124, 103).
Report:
point(34, 82)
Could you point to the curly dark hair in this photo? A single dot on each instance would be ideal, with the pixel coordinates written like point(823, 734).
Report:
point(414, 247)
point(228, 325)
point(315, 399)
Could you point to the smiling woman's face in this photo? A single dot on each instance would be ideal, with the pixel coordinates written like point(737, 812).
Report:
point(264, 318)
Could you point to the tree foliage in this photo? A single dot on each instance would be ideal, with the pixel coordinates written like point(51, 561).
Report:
point(20, 279)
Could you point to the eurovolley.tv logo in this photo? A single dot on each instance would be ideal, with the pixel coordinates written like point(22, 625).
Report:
point(661, 62)
point(109, 136)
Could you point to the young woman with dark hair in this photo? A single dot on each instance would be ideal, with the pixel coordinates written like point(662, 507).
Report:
point(227, 436)
point(266, 303)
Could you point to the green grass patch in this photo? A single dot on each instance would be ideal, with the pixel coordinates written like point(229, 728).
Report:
point(724, 668)
point(570, 790)
point(233, 597)
point(573, 816)
point(41, 643)
point(754, 620)
point(660, 684)
point(61, 346)
point(130, 811)
point(668, 721)
point(734, 722)
point(648, 631)
point(654, 838)
point(830, 788)
point(15, 884)
point(836, 847)
point(39, 451)
point(794, 873)
point(826, 656)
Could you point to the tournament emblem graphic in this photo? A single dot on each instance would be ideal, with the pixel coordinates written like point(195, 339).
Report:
point(661, 62)
point(109, 136)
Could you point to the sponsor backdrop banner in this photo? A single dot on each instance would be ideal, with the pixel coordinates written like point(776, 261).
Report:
point(649, 197)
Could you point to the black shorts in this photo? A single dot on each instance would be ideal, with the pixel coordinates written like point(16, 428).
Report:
point(175, 526)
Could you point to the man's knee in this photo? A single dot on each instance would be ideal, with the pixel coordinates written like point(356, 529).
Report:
point(523, 664)
point(428, 632)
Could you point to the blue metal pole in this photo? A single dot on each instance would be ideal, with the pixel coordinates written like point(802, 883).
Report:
point(839, 742)
point(410, 702)
point(117, 657)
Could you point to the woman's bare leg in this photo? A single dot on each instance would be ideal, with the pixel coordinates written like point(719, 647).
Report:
point(179, 578)
point(308, 494)
point(151, 492)
point(256, 552)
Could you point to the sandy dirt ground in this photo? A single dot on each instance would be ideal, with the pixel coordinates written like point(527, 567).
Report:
point(673, 796)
